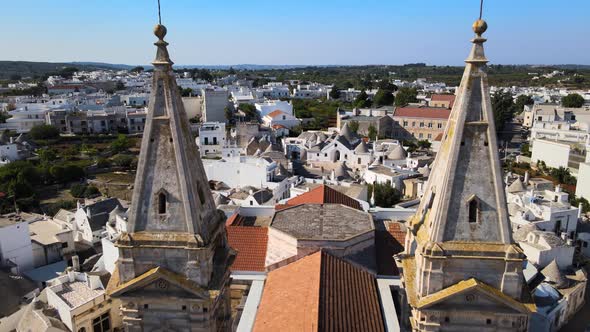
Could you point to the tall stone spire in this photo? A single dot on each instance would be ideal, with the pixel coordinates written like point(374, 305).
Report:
point(174, 261)
point(171, 190)
point(460, 260)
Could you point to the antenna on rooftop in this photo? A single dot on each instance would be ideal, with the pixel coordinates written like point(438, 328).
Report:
point(160, 13)
point(480, 9)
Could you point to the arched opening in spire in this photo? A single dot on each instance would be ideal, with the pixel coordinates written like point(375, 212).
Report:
point(473, 206)
point(162, 202)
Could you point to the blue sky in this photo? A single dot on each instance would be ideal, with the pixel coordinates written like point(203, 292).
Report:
point(296, 31)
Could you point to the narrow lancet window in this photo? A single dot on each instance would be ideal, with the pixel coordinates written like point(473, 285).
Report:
point(473, 211)
point(161, 203)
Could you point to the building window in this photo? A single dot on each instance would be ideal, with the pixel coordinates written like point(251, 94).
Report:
point(439, 126)
point(473, 207)
point(146, 306)
point(64, 245)
point(488, 321)
point(183, 308)
point(421, 124)
point(405, 123)
point(359, 161)
point(429, 136)
point(102, 323)
point(430, 125)
point(413, 123)
point(420, 135)
point(162, 203)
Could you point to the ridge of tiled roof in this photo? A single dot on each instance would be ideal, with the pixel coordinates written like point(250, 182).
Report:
point(324, 194)
point(320, 292)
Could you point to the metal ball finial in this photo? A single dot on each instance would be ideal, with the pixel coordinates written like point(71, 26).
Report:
point(480, 26)
point(160, 31)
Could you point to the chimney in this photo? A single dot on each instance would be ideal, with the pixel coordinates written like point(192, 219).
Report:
point(76, 263)
point(558, 188)
point(563, 235)
point(526, 178)
point(579, 210)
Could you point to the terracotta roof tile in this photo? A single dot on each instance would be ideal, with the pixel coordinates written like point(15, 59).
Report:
point(320, 292)
point(251, 244)
point(276, 113)
point(324, 194)
point(290, 301)
point(389, 243)
point(422, 112)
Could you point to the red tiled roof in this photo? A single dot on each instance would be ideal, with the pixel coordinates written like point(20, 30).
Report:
point(422, 112)
point(397, 232)
point(251, 244)
point(450, 98)
point(234, 220)
point(389, 243)
point(322, 195)
point(275, 113)
point(320, 292)
point(278, 126)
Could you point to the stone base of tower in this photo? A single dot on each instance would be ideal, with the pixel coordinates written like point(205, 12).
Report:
point(468, 305)
point(187, 291)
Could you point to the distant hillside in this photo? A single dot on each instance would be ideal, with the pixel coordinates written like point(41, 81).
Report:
point(32, 69)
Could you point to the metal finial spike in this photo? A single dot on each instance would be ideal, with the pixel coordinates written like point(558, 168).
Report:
point(480, 9)
point(160, 13)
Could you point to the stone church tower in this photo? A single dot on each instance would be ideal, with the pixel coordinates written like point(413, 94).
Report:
point(461, 270)
point(173, 267)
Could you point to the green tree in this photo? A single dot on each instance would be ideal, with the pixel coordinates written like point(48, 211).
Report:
point(387, 86)
point(383, 98)
point(41, 132)
point(362, 100)
point(121, 144)
point(385, 195)
point(372, 132)
point(77, 190)
point(123, 160)
point(186, 92)
point(229, 115)
point(120, 86)
point(503, 107)
point(249, 110)
point(47, 155)
point(521, 102)
point(335, 93)
point(405, 96)
point(103, 163)
point(353, 126)
point(424, 144)
point(137, 69)
point(525, 149)
point(572, 100)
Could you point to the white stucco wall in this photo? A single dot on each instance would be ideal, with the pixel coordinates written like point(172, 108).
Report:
point(553, 154)
point(583, 185)
point(15, 245)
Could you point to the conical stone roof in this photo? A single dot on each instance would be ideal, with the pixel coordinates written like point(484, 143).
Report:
point(554, 276)
point(516, 186)
point(361, 148)
point(397, 153)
